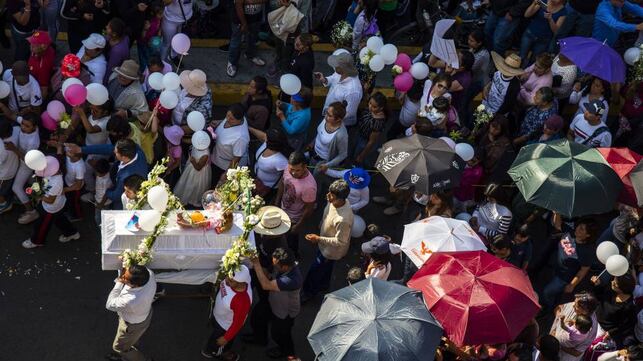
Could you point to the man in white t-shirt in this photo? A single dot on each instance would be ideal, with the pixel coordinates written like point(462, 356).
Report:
point(8, 165)
point(24, 95)
point(588, 128)
point(91, 54)
point(51, 209)
point(74, 181)
point(231, 148)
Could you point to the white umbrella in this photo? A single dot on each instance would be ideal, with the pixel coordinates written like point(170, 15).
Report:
point(438, 234)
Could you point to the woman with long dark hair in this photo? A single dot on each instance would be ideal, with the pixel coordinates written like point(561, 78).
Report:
point(371, 124)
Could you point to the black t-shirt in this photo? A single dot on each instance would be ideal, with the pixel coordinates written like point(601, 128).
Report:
point(572, 256)
point(252, 12)
point(267, 245)
point(16, 6)
point(302, 65)
point(587, 7)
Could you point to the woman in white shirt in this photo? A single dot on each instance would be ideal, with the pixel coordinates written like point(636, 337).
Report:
point(491, 218)
point(330, 146)
point(435, 88)
point(270, 158)
point(175, 14)
point(597, 89)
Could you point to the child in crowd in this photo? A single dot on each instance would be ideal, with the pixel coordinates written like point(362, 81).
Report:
point(196, 176)
point(74, 180)
point(28, 139)
point(379, 252)
point(51, 207)
point(463, 195)
point(131, 186)
point(551, 130)
point(522, 247)
point(410, 102)
point(8, 165)
point(575, 330)
point(103, 183)
point(151, 28)
point(95, 126)
point(358, 180)
point(500, 246)
point(173, 136)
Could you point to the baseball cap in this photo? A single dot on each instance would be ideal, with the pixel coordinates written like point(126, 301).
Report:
point(242, 275)
point(297, 97)
point(377, 245)
point(554, 123)
point(94, 41)
point(595, 107)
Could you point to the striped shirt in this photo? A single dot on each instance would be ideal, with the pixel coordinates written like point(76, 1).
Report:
point(493, 219)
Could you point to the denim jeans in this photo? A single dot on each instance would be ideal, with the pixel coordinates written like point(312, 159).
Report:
point(49, 19)
point(499, 32)
point(537, 45)
point(234, 51)
point(319, 274)
point(552, 292)
point(575, 24)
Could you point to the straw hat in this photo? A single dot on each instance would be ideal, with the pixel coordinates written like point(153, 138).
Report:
point(345, 62)
point(194, 82)
point(274, 221)
point(509, 66)
point(129, 69)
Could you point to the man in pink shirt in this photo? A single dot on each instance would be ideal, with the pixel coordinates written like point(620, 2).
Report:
point(536, 76)
point(296, 196)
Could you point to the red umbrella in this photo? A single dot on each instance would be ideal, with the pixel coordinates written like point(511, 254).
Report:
point(623, 161)
point(477, 297)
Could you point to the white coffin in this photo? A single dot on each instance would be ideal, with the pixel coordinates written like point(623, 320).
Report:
point(177, 248)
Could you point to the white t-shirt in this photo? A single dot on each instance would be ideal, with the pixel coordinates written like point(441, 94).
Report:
point(54, 187)
point(103, 183)
point(323, 140)
point(231, 142)
point(497, 92)
point(583, 131)
point(269, 169)
point(409, 112)
point(27, 95)
point(74, 171)
point(27, 141)
point(173, 12)
point(9, 161)
point(97, 66)
point(381, 273)
point(101, 137)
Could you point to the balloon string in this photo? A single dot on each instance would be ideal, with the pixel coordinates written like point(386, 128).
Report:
point(154, 111)
point(180, 61)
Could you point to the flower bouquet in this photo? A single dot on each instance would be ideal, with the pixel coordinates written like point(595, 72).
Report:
point(37, 190)
point(481, 118)
point(342, 34)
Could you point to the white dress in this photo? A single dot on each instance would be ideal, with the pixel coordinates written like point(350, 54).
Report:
point(193, 183)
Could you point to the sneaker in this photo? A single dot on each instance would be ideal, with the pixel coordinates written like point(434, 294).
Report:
point(65, 239)
point(256, 60)
point(28, 217)
point(87, 198)
point(231, 70)
point(382, 200)
point(159, 294)
point(28, 244)
point(392, 210)
point(5, 207)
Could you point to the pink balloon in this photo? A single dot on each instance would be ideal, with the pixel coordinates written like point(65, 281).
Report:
point(403, 61)
point(403, 82)
point(181, 43)
point(55, 109)
point(52, 167)
point(76, 94)
point(48, 122)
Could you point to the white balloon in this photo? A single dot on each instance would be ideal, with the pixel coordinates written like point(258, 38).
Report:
point(168, 99)
point(147, 220)
point(375, 44)
point(465, 151)
point(196, 121)
point(290, 84)
point(171, 81)
point(420, 71)
point(617, 265)
point(97, 94)
point(157, 197)
point(449, 141)
point(605, 250)
point(155, 80)
point(5, 89)
point(36, 160)
point(68, 82)
point(200, 140)
point(389, 53)
point(632, 55)
point(359, 226)
point(340, 51)
point(377, 63)
point(1, 67)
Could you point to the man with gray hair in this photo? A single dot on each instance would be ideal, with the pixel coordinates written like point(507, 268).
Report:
point(344, 86)
point(333, 240)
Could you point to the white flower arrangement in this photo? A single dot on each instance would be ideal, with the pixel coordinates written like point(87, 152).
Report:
point(35, 187)
point(397, 70)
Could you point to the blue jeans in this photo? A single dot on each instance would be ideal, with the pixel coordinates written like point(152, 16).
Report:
point(319, 274)
point(537, 45)
point(575, 24)
point(234, 51)
point(551, 292)
point(499, 32)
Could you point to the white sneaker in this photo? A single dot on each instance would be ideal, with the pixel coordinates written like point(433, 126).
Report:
point(87, 197)
point(231, 70)
point(65, 239)
point(28, 217)
point(256, 60)
point(28, 244)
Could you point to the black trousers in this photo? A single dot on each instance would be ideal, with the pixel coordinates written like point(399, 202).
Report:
point(211, 346)
point(43, 224)
point(281, 331)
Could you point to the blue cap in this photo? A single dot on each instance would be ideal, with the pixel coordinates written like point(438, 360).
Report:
point(297, 98)
point(357, 178)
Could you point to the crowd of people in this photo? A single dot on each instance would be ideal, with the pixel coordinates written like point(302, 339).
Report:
point(513, 67)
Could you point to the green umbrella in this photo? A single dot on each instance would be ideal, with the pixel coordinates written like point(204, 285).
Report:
point(566, 177)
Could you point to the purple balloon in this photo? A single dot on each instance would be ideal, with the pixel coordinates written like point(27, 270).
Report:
point(76, 94)
point(55, 109)
point(403, 82)
point(48, 122)
point(403, 61)
point(181, 43)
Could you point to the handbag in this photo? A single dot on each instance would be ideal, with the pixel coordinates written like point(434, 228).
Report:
point(284, 21)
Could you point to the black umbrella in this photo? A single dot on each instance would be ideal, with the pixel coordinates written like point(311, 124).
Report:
point(374, 320)
point(427, 164)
